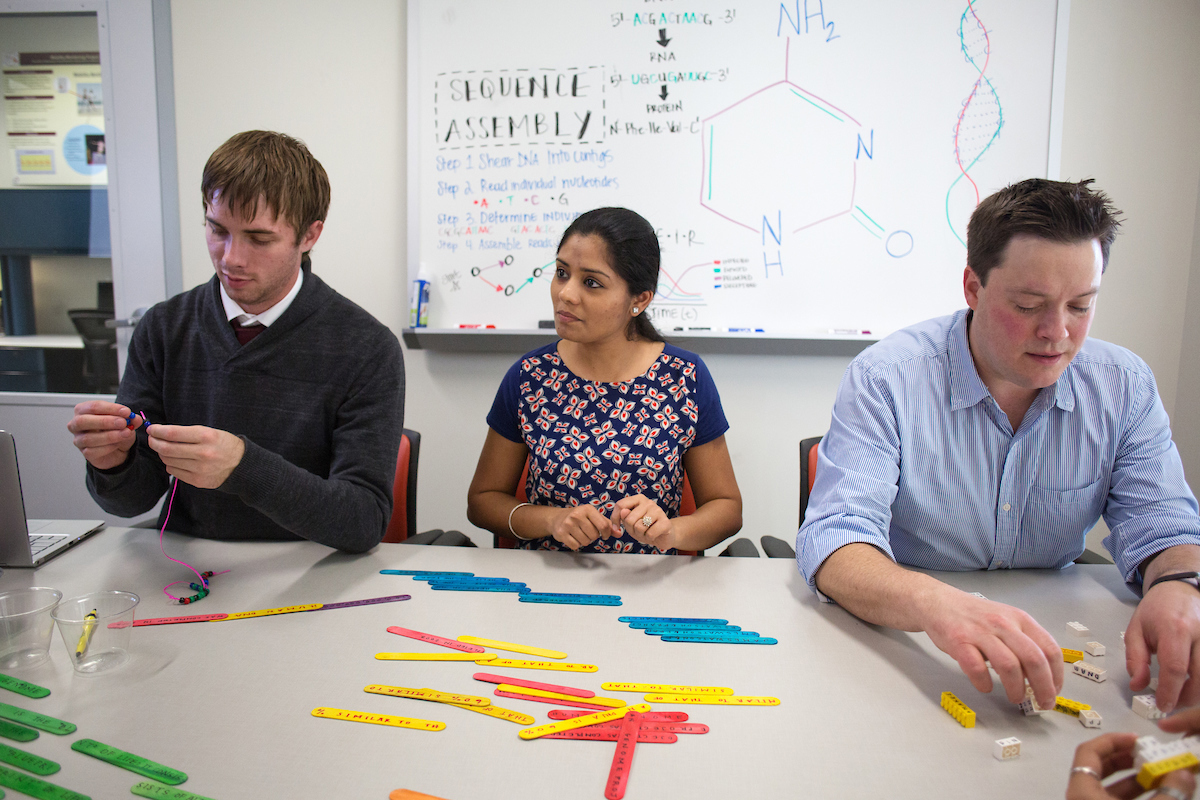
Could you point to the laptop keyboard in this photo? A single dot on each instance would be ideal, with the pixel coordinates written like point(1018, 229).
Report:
point(39, 542)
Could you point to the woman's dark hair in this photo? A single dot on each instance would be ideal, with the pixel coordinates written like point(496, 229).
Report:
point(632, 253)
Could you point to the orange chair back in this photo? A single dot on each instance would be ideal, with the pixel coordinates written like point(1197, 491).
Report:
point(402, 524)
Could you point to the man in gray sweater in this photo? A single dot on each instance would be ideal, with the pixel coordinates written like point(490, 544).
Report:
point(276, 403)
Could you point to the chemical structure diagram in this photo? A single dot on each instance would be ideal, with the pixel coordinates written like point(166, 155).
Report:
point(812, 178)
point(498, 283)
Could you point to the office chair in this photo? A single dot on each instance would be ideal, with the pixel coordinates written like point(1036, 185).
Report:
point(99, 348)
point(402, 527)
point(808, 471)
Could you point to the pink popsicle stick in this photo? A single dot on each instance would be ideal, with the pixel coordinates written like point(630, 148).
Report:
point(429, 637)
point(488, 677)
point(658, 727)
point(649, 716)
point(552, 701)
point(595, 734)
point(627, 739)
point(169, 620)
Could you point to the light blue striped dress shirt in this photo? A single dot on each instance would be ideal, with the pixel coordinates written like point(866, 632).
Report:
point(921, 462)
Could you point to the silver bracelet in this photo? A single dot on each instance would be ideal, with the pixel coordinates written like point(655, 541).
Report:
point(510, 516)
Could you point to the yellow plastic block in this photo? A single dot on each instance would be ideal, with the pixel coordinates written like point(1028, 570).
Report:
point(958, 709)
point(611, 702)
point(582, 722)
point(523, 649)
point(1066, 705)
point(1152, 774)
point(1071, 656)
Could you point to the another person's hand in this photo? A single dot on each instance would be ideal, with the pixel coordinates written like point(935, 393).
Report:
point(1100, 757)
point(1167, 624)
point(197, 455)
point(644, 520)
point(580, 525)
point(102, 433)
point(972, 630)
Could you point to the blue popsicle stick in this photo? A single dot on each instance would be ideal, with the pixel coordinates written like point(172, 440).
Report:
point(684, 626)
point(721, 639)
point(421, 572)
point(693, 631)
point(672, 619)
point(461, 579)
point(572, 599)
point(519, 588)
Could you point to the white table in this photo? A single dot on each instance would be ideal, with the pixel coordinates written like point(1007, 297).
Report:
point(230, 703)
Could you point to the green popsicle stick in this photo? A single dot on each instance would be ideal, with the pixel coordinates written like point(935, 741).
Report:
point(27, 761)
point(18, 733)
point(160, 792)
point(22, 687)
point(36, 787)
point(119, 758)
point(36, 720)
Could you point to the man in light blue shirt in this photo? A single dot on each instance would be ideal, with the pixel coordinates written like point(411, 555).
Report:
point(995, 438)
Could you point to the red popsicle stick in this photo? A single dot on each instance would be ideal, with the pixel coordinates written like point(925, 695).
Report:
point(627, 739)
point(610, 735)
point(429, 637)
point(488, 677)
point(649, 716)
point(552, 701)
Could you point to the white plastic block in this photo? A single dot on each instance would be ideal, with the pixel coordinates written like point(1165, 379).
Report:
point(1007, 749)
point(1192, 745)
point(1089, 671)
point(1090, 719)
point(1094, 648)
point(1029, 704)
point(1148, 750)
point(1145, 707)
point(1078, 628)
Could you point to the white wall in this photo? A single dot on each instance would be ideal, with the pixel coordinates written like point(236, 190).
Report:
point(333, 74)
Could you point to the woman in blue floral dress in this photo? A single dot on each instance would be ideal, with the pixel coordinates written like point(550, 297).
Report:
point(609, 417)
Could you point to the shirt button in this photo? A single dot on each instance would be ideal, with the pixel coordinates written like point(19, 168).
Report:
point(1007, 507)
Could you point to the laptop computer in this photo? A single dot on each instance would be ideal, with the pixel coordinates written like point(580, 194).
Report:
point(31, 543)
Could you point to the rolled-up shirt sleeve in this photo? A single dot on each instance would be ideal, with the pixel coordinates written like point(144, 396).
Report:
point(1150, 506)
point(858, 469)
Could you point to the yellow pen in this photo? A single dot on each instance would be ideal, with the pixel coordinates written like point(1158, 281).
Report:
point(89, 625)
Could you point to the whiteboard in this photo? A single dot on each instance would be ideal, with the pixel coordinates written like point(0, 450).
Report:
point(809, 166)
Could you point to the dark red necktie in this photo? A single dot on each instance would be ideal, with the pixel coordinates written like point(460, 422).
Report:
point(246, 332)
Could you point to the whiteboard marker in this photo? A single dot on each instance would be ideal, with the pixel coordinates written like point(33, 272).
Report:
point(849, 332)
point(476, 326)
point(744, 330)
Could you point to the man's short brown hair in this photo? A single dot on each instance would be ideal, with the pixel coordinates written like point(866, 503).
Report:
point(273, 167)
point(1057, 211)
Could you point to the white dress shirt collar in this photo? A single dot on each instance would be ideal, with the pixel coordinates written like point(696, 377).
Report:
point(235, 312)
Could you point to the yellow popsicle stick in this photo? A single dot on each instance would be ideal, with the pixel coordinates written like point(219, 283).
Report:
point(581, 722)
point(500, 713)
point(665, 688)
point(611, 702)
point(513, 648)
point(508, 662)
point(732, 700)
point(479, 658)
point(266, 612)
point(379, 719)
point(431, 695)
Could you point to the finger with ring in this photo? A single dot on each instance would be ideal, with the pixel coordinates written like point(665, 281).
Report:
point(647, 521)
point(1087, 771)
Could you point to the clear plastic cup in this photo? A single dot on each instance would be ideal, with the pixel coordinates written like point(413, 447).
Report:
point(26, 626)
point(95, 629)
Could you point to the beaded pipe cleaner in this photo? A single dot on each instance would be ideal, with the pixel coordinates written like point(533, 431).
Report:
point(202, 589)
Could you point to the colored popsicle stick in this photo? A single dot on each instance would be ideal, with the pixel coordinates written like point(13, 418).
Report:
point(533, 698)
point(379, 719)
point(23, 687)
point(36, 787)
point(141, 623)
point(18, 733)
point(424, 572)
point(517, 588)
point(694, 728)
point(408, 794)
point(438, 640)
point(35, 720)
point(371, 601)
point(267, 612)
point(672, 619)
point(556, 665)
point(119, 758)
point(627, 739)
point(571, 599)
point(645, 736)
point(735, 700)
point(581, 722)
point(687, 626)
point(159, 792)
point(721, 639)
point(607, 702)
point(680, 630)
point(648, 717)
point(471, 579)
point(431, 695)
point(663, 688)
point(523, 649)
point(27, 761)
point(501, 713)
point(478, 658)
point(488, 677)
